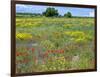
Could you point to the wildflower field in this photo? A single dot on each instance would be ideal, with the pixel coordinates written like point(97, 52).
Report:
point(54, 44)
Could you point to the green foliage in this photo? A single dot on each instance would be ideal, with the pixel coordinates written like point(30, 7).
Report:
point(47, 44)
point(68, 14)
point(50, 12)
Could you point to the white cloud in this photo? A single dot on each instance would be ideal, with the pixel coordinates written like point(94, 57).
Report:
point(91, 14)
point(21, 5)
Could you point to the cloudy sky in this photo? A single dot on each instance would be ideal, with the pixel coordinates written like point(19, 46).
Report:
point(84, 12)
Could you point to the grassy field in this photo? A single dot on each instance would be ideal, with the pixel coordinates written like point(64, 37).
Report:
point(54, 44)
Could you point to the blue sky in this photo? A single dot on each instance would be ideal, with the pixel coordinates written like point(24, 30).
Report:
point(22, 8)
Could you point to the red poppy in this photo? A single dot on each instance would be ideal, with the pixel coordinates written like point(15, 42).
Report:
point(18, 53)
point(61, 51)
point(33, 49)
point(57, 51)
point(22, 54)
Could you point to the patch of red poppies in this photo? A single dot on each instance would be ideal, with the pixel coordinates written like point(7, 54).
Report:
point(21, 53)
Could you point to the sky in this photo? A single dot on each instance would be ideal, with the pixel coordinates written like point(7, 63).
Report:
point(83, 12)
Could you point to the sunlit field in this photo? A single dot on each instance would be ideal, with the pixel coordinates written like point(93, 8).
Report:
point(54, 44)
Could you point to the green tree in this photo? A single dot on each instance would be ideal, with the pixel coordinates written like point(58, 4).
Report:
point(68, 14)
point(50, 12)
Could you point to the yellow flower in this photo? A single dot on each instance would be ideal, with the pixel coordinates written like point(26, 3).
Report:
point(77, 36)
point(23, 36)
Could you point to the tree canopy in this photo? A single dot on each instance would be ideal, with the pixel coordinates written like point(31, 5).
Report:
point(68, 14)
point(50, 12)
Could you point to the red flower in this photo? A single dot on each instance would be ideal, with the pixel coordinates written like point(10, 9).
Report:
point(21, 54)
point(61, 51)
point(33, 49)
point(18, 53)
point(57, 51)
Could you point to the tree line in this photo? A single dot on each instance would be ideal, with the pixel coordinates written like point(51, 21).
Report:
point(50, 12)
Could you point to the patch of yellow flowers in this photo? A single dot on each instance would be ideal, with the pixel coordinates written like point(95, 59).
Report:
point(23, 36)
point(77, 36)
point(27, 23)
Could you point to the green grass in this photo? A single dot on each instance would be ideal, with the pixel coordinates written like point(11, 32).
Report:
point(52, 44)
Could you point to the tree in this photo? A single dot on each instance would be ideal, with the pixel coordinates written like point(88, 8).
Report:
point(50, 12)
point(68, 14)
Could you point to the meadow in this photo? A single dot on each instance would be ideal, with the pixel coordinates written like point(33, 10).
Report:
point(54, 44)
